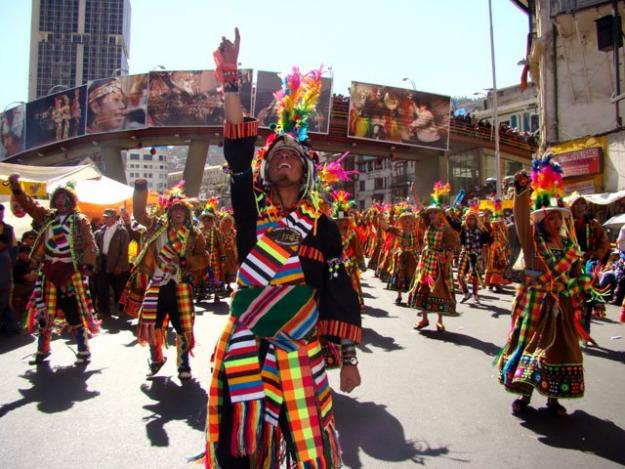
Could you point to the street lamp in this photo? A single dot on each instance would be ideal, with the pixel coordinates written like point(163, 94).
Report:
point(414, 88)
point(60, 88)
point(495, 116)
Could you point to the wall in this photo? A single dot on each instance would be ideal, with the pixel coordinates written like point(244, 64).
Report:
point(585, 80)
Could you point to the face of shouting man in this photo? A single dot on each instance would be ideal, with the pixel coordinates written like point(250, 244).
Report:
point(285, 168)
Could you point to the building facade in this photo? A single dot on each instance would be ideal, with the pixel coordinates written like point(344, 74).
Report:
point(576, 57)
point(147, 164)
point(74, 41)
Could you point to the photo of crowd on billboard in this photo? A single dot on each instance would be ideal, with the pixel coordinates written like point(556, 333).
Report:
point(267, 83)
point(56, 117)
point(118, 103)
point(398, 115)
point(180, 98)
point(12, 131)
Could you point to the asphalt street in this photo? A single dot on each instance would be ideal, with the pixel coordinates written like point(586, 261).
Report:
point(427, 398)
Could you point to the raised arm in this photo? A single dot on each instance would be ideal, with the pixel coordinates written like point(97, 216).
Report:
point(139, 202)
point(36, 211)
point(239, 141)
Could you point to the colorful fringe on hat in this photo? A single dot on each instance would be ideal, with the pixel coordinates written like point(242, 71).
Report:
point(211, 207)
point(329, 174)
point(341, 205)
point(473, 209)
point(547, 183)
point(440, 190)
point(498, 209)
point(174, 196)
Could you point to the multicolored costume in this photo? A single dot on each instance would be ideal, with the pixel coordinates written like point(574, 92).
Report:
point(433, 288)
point(168, 258)
point(542, 351)
point(405, 251)
point(229, 243)
point(66, 251)
point(269, 383)
point(473, 240)
point(353, 259)
point(212, 278)
point(499, 251)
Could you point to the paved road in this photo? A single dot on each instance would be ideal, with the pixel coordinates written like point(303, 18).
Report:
point(427, 399)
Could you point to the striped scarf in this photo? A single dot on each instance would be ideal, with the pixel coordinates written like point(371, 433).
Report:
point(42, 304)
point(273, 304)
point(167, 261)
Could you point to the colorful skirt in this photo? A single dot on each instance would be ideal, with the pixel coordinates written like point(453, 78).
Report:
point(546, 357)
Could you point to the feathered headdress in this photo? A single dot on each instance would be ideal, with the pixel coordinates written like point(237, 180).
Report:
point(341, 205)
point(472, 210)
point(547, 185)
point(436, 198)
point(171, 197)
point(497, 209)
point(211, 208)
point(404, 209)
point(296, 104)
point(329, 174)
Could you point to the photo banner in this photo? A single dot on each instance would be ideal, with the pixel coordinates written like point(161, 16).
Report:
point(117, 103)
point(12, 131)
point(191, 98)
point(267, 83)
point(56, 117)
point(398, 115)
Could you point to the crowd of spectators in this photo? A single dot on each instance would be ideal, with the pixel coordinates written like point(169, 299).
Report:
point(470, 122)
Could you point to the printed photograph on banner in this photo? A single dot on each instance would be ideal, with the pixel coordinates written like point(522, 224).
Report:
point(56, 117)
point(267, 83)
point(398, 115)
point(193, 97)
point(118, 103)
point(12, 131)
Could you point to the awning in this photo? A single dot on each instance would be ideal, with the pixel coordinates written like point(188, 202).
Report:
point(39, 180)
point(605, 198)
point(615, 222)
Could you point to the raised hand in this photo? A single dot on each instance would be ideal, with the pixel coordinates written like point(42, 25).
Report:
point(227, 54)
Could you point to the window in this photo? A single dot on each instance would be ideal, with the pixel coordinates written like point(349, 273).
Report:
point(161, 157)
point(147, 157)
point(135, 156)
point(534, 123)
point(361, 186)
point(514, 122)
point(526, 121)
point(378, 183)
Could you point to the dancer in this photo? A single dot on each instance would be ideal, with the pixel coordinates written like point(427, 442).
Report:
point(433, 289)
point(473, 239)
point(499, 251)
point(269, 383)
point(172, 251)
point(405, 252)
point(229, 244)
point(542, 352)
point(66, 250)
point(212, 280)
point(353, 259)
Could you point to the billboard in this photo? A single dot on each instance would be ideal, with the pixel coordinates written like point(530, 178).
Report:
point(267, 83)
point(12, 131)
point(117, 103)
point(398, 115)
point(56, 117)
point(194, 98)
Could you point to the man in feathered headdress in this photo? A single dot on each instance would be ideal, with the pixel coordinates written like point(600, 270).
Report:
point(171, 252)
point(269, 383)
point(67, 252)
point(213, 277)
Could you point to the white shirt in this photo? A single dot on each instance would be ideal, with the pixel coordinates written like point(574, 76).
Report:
point(109, 231)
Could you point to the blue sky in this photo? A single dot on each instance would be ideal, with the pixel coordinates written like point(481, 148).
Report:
point(443, 45)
